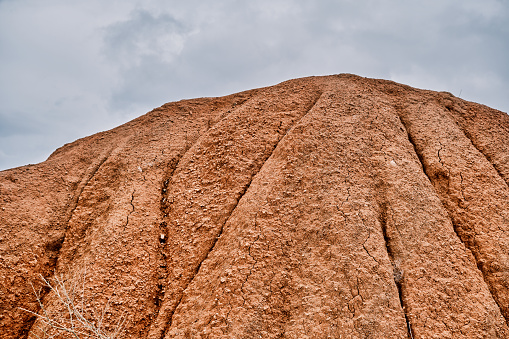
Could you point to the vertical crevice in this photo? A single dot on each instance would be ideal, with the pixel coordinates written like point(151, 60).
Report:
point(414, 146)
point(132, 209)
point(163, 226)
point(56, 244)
point(171, 310)
point(475, 144)
point(79, 190)
point(397, 271)
point(211, 248)
point(163, 235)
point(468, 240)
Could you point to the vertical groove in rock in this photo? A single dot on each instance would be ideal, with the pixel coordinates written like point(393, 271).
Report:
point(163, 237)
point(163, 227)
point(487, 129)
point(468, 241)
point(171, 311)
point(411, 140)
point(475, 144)
point(482, 152)
point(88, 180)
point(84, 182)
point(397, 271)
point(72, 207)
point(196, 271)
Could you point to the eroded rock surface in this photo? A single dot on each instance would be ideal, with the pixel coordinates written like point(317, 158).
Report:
point(323, 207)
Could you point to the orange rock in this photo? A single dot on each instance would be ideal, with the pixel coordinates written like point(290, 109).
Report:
point(323, 207)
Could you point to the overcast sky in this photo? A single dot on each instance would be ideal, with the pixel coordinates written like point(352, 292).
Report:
point(69, 69)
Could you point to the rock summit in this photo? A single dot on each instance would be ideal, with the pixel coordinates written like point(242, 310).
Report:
point(322, 207)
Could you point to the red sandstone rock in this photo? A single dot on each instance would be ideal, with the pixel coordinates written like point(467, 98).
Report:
point(323, 207)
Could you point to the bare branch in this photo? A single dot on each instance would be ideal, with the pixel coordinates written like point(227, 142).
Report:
point(73, 320)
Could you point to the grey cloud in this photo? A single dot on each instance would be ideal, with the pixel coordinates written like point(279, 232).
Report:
point(142, 49)
point(145, 35)
point(19, 123)
point(267, 42)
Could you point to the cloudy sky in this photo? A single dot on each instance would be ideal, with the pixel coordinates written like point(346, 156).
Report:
point(73, 68)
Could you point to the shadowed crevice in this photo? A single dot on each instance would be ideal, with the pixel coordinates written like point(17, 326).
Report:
point(163, 236)
point(398, 273)
point(131, 202)
point(56, 245)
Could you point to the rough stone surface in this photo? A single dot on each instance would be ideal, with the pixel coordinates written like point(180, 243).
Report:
point(323, 207)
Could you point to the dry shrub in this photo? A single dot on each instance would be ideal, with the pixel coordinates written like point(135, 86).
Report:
point(71, 314)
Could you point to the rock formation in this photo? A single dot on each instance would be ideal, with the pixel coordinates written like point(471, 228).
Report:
point(323, 207)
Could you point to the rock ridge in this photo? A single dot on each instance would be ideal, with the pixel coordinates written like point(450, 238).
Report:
point(321, 207)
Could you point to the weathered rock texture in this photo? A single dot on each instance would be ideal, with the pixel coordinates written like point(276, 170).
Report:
point(324, 207)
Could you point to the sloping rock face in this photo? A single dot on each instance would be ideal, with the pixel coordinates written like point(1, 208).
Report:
point(323, 207)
